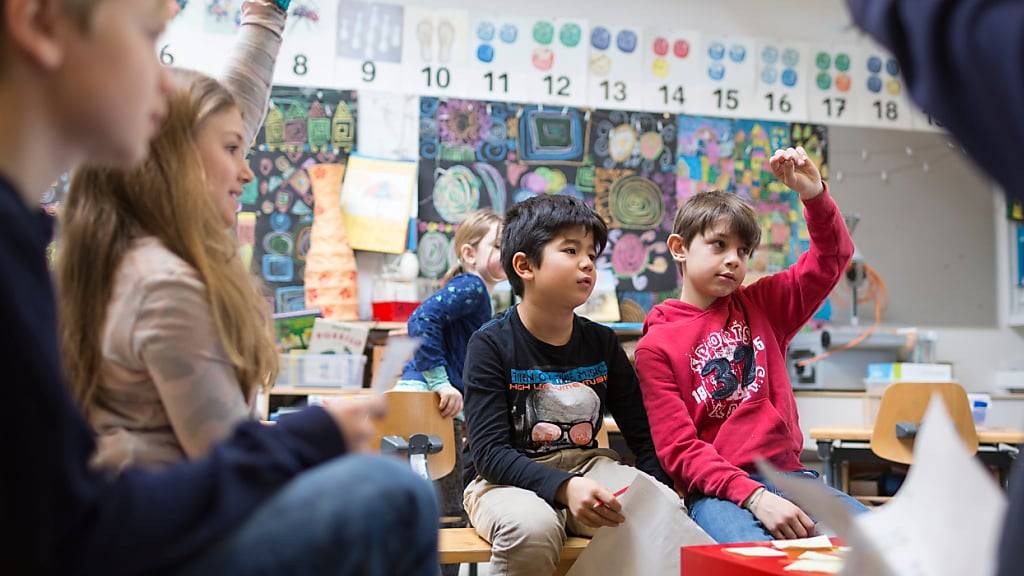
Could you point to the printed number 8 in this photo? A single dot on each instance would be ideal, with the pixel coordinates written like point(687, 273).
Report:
point(301, 66)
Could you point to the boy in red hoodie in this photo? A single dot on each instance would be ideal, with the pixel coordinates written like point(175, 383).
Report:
point(712, 364)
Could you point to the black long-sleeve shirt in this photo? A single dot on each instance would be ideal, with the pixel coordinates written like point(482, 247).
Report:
point(64, 518)
point(526, 398)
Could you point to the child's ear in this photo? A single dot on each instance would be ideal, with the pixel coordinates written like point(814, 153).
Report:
point(677, 247)
point(37, 29)
point(467, 255)
point(522, 266)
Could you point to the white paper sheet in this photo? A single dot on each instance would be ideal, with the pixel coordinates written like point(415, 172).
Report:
point(826, 566)
point(398, 351)
point(806, 543)
point(757, 552)
point(945, 520)
point(812, 555)
point(648, 543)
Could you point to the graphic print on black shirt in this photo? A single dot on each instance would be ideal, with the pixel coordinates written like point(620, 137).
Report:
point(556, 409)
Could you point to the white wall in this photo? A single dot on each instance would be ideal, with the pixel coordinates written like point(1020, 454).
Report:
point(804, 19)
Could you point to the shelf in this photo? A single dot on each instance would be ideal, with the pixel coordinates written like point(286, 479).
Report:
point(885, 338)
point(318, 391)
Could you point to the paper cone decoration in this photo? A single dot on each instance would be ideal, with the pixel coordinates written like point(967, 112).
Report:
point(330, 263)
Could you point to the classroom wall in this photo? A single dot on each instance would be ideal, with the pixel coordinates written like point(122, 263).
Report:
point(932, 235)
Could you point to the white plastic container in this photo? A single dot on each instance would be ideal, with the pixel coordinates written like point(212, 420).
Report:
point(321, 371)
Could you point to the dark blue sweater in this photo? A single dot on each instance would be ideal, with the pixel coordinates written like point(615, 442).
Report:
point(964, 64)
point(444, 322)
point(63, 518)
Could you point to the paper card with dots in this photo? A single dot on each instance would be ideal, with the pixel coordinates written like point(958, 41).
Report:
point(558, 60)
point(615, 66)
point(435, 58)
point(499, 56)
point(368, 46)
point(673, 63)
point(781, 80)
point(834, 88)
point(727, 86)
point(308, 47)
point(884, 102)
point(183, 44)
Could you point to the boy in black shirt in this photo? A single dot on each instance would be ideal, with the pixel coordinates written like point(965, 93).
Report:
point(537, 381)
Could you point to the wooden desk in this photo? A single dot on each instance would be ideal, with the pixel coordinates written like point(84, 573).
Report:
point(997, 447)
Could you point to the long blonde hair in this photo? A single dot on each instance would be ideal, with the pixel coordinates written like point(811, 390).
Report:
point(471, 231)
point(166, 197)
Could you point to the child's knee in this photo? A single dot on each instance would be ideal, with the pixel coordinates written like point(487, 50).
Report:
point(534, 531)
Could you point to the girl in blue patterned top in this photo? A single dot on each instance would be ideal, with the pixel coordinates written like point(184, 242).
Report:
point(444, 322)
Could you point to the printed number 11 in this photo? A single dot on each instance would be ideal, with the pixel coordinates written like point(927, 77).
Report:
point(492, 80)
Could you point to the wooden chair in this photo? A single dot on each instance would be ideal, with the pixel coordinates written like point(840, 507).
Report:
point(417, 413)
point(901, 411)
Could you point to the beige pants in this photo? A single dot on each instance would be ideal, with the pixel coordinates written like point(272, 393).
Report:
point(525, 532)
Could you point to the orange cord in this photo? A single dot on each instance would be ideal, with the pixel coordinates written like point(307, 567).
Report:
point(876, 291)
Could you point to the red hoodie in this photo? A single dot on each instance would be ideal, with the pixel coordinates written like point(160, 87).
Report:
point(715, 382)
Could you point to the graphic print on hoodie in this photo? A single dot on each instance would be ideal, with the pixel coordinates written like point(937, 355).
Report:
point(726, 370)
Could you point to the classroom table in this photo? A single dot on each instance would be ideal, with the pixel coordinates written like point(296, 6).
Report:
point(699, 560)
point(997, 448)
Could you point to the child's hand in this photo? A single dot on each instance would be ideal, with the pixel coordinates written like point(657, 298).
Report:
point(781, 517)
point(590, 503)
point(796, 170)
point(352, 415)
point(451, 400)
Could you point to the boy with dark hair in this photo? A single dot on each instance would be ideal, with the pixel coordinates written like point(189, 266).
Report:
point(537, 382)
point(80, 82)
point(712, 364)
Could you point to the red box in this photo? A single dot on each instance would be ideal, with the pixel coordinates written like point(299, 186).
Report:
point(707, 560)
point(393, 311)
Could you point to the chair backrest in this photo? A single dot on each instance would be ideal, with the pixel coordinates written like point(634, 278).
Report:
point(907, 402)
point(418, 413)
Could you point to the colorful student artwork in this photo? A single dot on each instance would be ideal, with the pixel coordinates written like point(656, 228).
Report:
point(732, 155)
point(376, 200)
point(330, 272)
point(370, 31)
point(477, 154)
point(634, 155)
point(305, 127)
